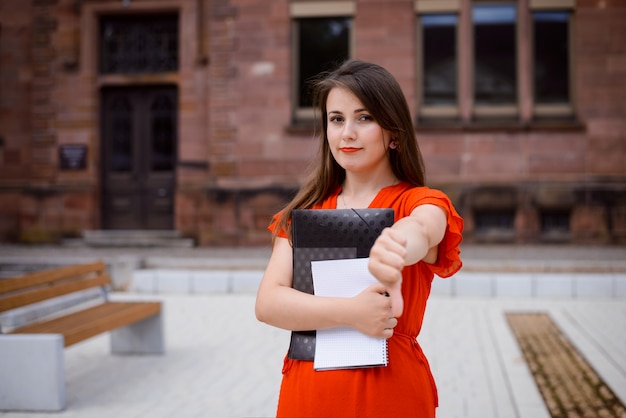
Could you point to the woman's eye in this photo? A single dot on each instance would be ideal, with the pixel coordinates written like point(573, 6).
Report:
point(336, 119)
point(365, 118)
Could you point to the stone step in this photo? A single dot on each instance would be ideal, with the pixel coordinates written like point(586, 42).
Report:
point(132, 238)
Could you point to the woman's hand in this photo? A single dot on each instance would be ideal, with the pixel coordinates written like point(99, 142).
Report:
point(387, 259)
point(280, 305)
point(371, 312)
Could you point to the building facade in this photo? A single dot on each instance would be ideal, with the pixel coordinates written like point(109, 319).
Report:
point(193, 115)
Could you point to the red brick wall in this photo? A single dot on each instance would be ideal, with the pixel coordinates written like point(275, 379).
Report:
point(600, 71)
point(240, 156)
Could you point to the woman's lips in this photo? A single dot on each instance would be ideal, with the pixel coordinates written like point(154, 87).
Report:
point(349, 149)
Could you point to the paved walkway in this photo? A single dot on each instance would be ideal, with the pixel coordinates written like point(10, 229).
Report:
point(221, 362)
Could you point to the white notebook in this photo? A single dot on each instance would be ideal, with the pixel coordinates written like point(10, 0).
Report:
point(345, 347)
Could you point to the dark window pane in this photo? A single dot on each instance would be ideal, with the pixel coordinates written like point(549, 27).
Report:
point(138, 44)
point(495, 77)
point(163, 131)
point(440, 65)
point(494, 220)
point(324, 43)
point(121, 129)
point(551, 60)
point(555, 221)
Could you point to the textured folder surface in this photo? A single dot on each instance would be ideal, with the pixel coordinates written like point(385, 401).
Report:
point(329, 234)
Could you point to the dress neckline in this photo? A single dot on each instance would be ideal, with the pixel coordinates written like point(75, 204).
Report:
point(380, 196)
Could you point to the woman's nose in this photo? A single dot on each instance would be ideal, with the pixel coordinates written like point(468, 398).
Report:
point(349, 133)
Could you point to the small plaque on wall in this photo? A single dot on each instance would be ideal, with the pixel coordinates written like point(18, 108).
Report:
point(73, 157)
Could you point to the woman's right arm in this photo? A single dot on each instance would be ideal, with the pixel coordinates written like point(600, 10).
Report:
point(280, 305)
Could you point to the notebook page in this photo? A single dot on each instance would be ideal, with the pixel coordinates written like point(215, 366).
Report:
point(344, 347)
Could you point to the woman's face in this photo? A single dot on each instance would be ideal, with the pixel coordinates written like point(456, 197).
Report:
point(358, 143)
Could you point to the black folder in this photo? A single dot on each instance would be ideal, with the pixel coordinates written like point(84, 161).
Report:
point(329, 234)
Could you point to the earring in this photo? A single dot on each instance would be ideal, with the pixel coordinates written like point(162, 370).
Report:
point(393, 145)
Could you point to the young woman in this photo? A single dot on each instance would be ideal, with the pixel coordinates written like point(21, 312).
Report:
point(368, 158)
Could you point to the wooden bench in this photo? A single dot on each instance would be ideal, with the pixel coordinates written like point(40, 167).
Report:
point(32, 372)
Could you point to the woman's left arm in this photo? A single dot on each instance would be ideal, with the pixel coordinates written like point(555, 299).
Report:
point(411, 239)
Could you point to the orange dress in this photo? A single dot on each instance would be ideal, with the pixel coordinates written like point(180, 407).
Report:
point(404, 388)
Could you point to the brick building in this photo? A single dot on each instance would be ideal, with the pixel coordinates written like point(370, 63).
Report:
point(192, 115)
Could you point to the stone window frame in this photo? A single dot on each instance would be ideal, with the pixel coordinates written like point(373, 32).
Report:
point(89, 45)
point(311, 9)
point(465, 110)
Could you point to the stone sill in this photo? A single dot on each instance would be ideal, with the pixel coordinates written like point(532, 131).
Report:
point(499, 125)
point(439, 125)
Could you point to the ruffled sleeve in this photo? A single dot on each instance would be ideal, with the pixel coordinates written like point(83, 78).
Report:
point(274, 224)
point(449, 259)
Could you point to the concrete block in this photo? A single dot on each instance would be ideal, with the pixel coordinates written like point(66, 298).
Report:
point(593, 285)
point(21, 316)
point(144, 337)
point(474, 284)
point(513, 285)
point(246, 281)
point(173, 281)
point(443, 287)
point(214, 281)
point(554, 285)
point(144, 281)
point(32, 372)
point(619, 284)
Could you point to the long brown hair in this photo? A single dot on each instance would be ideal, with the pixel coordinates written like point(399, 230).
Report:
point(382, 96)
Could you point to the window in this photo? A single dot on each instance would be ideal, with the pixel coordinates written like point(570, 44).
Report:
point(494, 224)
point(439, 59)
point(555, 224)
point(551, 66)
point(323, 44)
point(322, 39)
point(138, 44)
point(494, 59)
point(494, 54)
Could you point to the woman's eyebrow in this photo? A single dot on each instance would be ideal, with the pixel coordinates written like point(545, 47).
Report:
point(341, 113)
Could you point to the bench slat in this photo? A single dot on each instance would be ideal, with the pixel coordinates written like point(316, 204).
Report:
point(49, 276)
point(90, 322)
point(38, 295)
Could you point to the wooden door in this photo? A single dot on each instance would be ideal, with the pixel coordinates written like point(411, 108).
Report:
point(139, 143)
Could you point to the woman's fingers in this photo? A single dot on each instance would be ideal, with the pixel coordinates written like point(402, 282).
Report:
point(397, 302)
point(374, 314)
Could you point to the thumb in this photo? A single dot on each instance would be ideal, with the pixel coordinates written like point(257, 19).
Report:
point(397, 302)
